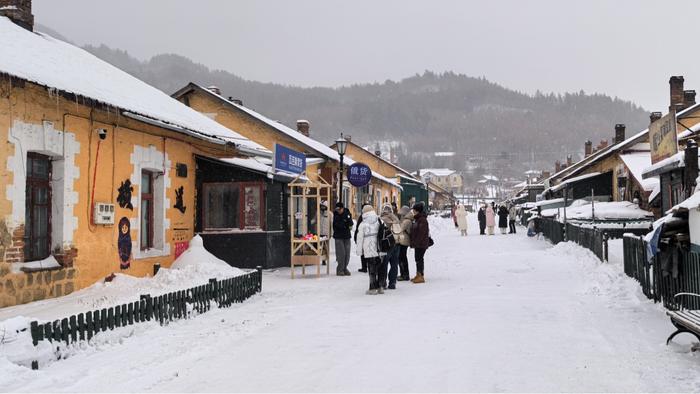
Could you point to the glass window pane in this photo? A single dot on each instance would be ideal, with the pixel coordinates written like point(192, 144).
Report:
point(251, 207)
point(145, 183)
point(145, 222)
point(221, 206)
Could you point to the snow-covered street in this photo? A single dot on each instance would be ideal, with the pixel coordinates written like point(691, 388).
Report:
point(498, 313)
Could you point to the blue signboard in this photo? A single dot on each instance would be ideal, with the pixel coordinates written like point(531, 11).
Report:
point(289, 160)
point(359, 174)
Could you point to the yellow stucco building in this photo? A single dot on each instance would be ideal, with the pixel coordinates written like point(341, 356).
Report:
point(97, 168)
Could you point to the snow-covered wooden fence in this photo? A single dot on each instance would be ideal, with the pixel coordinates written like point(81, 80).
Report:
point(163, 309)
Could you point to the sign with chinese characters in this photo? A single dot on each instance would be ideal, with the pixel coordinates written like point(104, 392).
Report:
point(289, 160)
point(359, 174)
point(662, 138)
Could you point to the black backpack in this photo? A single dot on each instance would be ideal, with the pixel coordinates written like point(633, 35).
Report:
point(385, 238)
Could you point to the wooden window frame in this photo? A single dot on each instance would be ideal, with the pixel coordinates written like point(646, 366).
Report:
point(241, 205)
point(150, 198)
point(30, 183)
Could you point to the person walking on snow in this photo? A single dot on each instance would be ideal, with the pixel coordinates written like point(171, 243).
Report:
point(404, 241)
point(462, 219)
point(490, 218)
point(482, 219)
point(512, 213)
point(367, 246)
point(420, 235)
point(391, 259)
point(502, 218)
point(342, 223)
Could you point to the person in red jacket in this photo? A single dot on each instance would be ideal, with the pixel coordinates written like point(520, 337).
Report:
point(420, 235)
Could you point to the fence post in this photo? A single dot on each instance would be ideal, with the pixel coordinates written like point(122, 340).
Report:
point(259, 269)
point(605, 246)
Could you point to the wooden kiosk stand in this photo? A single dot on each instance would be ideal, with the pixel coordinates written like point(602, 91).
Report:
point(308, 246)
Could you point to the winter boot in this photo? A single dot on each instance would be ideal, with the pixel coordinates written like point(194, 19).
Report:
point(347, 272)
point(380, 291)
point(372, 292)
point(418, 279)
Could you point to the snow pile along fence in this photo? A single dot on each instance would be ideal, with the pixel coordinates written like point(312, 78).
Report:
point(665, 275)
point(593, 239)
point(164, 308)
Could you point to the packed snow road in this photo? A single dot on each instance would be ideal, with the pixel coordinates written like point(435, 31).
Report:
point(497, 313)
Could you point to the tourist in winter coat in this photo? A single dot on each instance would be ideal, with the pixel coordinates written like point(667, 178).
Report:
point(502, 218)
point(453, 210)
point(420, 234)
point(512, 214)
point(404, 241)
point(367, 246)
point(391, 259)
point(482, 219)
point(363, 261)
point(462, 220)
point(490, 219)
point(342, 224)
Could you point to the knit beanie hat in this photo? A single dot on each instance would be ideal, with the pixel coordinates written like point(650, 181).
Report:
point(367, 208)
point(387, 208)
point(419, 206)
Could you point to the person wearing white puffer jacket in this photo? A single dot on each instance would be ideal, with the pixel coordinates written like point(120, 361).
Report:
point(367, 246)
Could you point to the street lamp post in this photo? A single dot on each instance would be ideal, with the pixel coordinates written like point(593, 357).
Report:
point(341, 145)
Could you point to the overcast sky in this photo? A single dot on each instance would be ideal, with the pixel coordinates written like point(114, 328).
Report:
point(624, 48)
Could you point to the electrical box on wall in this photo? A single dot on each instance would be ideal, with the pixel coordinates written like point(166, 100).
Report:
point(103, 213)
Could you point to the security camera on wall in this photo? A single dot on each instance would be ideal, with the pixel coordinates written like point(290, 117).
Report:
point(102, 133)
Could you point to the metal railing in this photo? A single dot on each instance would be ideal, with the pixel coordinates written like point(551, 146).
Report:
point(669, 273)
point(164, 308)
point(592, 239)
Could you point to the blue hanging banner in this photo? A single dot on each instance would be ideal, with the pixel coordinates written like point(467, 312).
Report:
point(289, 160)
point(359, 174)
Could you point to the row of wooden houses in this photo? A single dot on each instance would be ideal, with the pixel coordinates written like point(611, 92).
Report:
point(103, 173)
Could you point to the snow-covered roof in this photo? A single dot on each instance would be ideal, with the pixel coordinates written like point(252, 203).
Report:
point(608, 211)
point(636, 163)
point(574, 180)
point(490, 177)
point(655, 192)
point(675, 161)
point(311, 143)
point(44, 60)
point(437, 171)
point(444, 154)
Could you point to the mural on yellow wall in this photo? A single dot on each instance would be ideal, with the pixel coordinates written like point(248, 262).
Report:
point(124, 243)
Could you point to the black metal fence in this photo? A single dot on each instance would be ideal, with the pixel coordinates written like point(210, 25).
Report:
point(163, 309)
point(669, 273)
point(552, 230)
point(593, 239)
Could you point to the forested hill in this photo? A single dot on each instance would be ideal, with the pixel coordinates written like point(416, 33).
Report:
point(428, 112)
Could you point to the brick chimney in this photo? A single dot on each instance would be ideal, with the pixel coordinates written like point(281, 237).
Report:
point(654, 116)
point(619, 133)
point(603, 144)
point(676, 85)
point(587, 148)
point(19, 12)
point(303, 126)
point(569, 160)
point(688, 98)
point(545, 174)
point(557, 166)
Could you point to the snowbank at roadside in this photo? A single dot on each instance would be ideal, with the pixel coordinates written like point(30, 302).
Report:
point(193, 268)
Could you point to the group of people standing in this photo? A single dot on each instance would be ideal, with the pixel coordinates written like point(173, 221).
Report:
point(487, 218)
point(382, 242)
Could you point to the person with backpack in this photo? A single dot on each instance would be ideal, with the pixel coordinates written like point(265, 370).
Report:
point(404, 241)
point(342, 223)
point(420, 240)
point(389, 230)
point(367, 246)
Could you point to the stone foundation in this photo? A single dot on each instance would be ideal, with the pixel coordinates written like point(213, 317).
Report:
point(24, 287)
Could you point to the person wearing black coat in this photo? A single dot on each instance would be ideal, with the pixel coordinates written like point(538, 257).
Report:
point(342, 224)
point(503, 218)
point(420, 240)
point(482, 220)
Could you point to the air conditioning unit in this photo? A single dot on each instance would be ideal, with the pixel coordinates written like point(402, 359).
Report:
point(103, 213)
